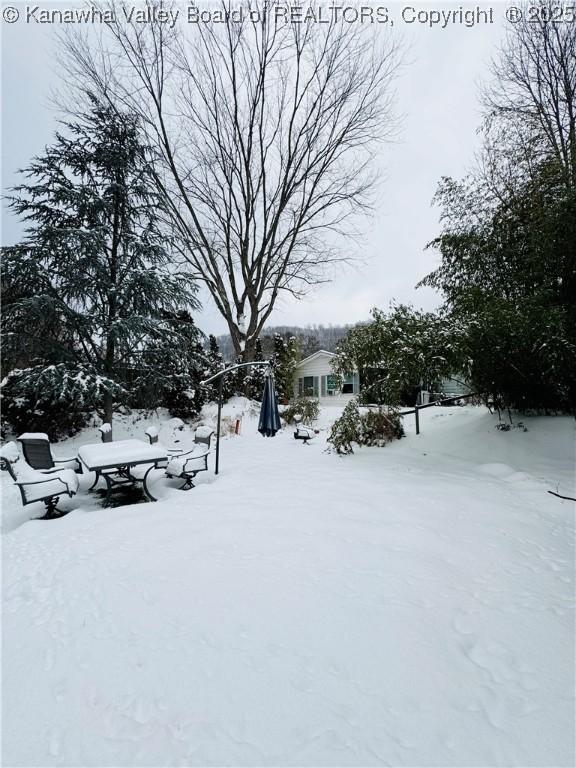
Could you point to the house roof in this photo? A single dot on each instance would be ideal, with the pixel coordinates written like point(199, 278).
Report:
point(314, 355)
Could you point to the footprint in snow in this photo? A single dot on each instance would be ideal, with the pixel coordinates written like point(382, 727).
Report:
point(49, 660)
point(54, 742)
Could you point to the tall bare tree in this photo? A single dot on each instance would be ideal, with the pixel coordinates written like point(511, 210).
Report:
point(264, 130)
point(534, 83)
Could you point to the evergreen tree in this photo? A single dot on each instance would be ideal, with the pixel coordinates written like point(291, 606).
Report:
point(232, 383)
point(169, 374)
point(254, 379)
point(215, 359)
point(284, 360)
point(53, 399)
point(101, 278)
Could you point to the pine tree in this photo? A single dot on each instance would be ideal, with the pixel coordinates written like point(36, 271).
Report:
point(215, 363)
point(170, 375)
point(215, 359)
point(53, 399)
point(100, 273)
point(285, 358)
point(254, 380)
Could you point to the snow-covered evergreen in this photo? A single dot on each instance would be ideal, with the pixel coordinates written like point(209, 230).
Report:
point(93, 282)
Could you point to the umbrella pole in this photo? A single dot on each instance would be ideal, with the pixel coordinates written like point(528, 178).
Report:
point(220, 387)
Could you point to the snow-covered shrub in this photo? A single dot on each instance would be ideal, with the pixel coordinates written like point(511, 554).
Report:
point(381, 427)
point(347, 429)
point(306, 408)
point(378, 427)
point(56, 399)
point(505, 427)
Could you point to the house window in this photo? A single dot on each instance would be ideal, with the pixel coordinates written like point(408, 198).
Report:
point(332, 384)
point(348, 385)
point(308, 386)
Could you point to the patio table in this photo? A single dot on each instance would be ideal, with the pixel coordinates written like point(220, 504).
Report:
point(115, 461)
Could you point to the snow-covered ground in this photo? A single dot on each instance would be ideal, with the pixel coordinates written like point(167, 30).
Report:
point(411, 605)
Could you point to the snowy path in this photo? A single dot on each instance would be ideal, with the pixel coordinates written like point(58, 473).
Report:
point(405, 606)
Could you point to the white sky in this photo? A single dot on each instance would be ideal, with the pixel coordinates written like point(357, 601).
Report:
point(437, 95)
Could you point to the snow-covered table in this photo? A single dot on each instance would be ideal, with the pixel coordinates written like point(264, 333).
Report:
point(115, 461)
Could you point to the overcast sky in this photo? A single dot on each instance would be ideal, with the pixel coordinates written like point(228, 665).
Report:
point(437, 96)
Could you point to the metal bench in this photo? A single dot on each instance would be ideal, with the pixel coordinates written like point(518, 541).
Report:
point(35, 485)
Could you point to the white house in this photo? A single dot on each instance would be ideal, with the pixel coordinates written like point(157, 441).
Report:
point(315, 378)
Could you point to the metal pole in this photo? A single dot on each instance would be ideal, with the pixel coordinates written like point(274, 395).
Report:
point(221, 375)
point(416, 414)
point(220, 386)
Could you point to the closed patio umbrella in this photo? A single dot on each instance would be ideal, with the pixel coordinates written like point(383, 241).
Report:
point(269, 422)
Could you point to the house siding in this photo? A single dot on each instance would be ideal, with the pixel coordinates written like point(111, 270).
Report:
point(317, 367)
point(452, 387)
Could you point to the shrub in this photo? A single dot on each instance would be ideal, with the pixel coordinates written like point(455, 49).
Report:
point(381, 427)
point(56, 399)
point(375, 428)
point(347, 429)
point(306, 407)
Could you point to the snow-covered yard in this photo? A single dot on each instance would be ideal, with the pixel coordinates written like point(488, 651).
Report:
point(411, 605)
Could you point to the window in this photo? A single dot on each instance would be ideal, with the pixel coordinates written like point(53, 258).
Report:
point(332, 384)
point(348, 385)
point(310, 386)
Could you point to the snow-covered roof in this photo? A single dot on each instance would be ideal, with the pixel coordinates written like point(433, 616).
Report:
point(314, 355)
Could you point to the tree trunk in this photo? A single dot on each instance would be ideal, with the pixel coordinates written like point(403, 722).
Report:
point(108, 399)
point(108, 409)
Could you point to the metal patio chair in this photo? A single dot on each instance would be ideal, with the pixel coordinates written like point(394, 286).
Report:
point(35, 485)
point(38, 453)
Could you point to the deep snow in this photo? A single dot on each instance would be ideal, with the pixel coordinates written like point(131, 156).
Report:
point(408, 605)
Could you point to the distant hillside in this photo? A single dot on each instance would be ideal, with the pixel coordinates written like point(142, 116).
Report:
point(311, 337)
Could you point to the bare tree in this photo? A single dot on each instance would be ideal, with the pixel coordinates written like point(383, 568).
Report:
point(264, 132)
point(534, 82)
